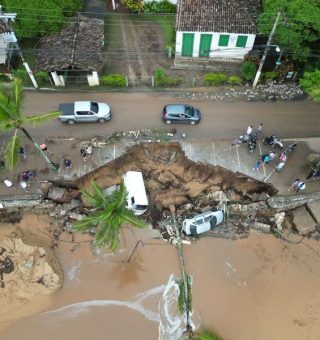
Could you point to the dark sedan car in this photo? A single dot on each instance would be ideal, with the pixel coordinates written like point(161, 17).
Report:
point(180, 113)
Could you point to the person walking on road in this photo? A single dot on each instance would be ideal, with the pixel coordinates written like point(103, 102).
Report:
point(259, 129)
point(249, 130)
point(67, 163)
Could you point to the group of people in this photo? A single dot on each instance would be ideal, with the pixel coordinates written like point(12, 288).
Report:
point(24, 180)
point(85, 153)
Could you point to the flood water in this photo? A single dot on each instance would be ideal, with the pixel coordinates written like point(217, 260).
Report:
point(256, 288)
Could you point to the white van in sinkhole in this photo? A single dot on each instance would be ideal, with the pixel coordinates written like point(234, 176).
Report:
point(137, 199)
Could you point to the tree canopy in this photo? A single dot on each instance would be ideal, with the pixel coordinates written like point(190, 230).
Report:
point(310, 83)
point(298, 30)
point(109, 213)
point(45, 17)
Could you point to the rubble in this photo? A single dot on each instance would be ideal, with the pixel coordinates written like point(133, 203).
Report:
point(270, 91)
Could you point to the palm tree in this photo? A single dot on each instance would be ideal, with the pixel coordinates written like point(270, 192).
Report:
point(109, 213)
point(12, 118)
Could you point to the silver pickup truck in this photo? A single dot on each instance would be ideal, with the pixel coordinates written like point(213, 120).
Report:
point(84, 111)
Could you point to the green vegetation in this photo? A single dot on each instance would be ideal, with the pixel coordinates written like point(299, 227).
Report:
point(298, 29)
point(163, 6)
point(113, 80)
point(270, 75)
point(12, 118)
point(161, 79)
point(134, 6)
point(214, 79)
point(182, 303)
point(33, 21)
point(109, 213)
point(234, 80)
point(310, 83)
point(207, 335)
point(248, 70)
point(42, 77)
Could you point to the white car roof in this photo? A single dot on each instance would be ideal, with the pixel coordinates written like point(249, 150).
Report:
point(82, 106)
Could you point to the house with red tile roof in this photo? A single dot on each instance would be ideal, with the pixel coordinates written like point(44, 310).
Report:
point(222, 30)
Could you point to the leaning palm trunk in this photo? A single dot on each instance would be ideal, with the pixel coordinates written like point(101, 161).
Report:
point(186, 289)
point(37, 146)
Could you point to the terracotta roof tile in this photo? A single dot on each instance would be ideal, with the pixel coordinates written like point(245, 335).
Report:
point(78, 46)
point(231, 16)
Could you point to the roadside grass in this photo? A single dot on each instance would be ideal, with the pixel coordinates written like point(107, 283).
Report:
point(112, 31)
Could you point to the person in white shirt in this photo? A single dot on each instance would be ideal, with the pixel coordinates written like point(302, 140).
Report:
point(8, 183)
point(249, 130)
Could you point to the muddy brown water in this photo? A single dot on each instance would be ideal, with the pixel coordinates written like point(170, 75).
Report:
point(255, 288)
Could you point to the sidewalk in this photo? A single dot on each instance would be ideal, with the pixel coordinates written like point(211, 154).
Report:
point(216, 152)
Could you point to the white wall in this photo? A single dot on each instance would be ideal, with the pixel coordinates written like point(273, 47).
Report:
point(3, 51)
point(230, 51)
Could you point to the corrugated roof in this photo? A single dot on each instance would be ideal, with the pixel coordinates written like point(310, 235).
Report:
point(232, 16)
point(78, 46)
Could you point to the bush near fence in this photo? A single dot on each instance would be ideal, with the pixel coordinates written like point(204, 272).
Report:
point(161, 79)
point(114, 80)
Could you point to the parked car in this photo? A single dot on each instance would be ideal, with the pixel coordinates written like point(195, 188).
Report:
point(203, 222)
point(180, 113)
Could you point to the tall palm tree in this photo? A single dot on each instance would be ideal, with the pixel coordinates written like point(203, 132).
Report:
point(109, 213)
point(12, 118)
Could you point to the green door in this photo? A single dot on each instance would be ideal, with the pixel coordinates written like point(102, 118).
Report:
point(187, 44)
point(205, 45)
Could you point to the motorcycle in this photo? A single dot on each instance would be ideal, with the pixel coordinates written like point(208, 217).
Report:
point(252, 143)
point(289, 148)
point(273, 141)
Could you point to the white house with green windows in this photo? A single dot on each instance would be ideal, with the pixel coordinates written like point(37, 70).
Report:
point(216, 29)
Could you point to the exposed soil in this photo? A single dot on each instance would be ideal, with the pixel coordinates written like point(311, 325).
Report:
point(178, 185)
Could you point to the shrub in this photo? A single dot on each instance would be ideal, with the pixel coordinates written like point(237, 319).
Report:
point(4, 78)
point(161, 79)
point(113, 80)
point(208, 335)
point(42, 76)
point(22, 74)
point(270, 75)
point(310, 83)
point(163, 6)
point(135, 6)
point(248, 70)
point(214, 79)
point(234, 80)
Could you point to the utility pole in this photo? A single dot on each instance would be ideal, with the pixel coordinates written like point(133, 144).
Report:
point(10, 38)
point(256, 79)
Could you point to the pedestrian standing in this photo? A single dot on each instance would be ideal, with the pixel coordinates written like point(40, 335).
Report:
point(22, 153)
point(294, 185)
point(259, 162)
point(272, 155)
point(259, 128)
point(279, 166)
point(89, 150)
point(67, 163)
point(44, 148)
point(8, 183)
point(24, 185)
point(301, 186)
point(283, 157)
point(265, 158)
point(83, 154)
point(249, 130)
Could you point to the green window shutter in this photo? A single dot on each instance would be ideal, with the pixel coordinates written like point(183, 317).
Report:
point(223, 40)
point(242, 41)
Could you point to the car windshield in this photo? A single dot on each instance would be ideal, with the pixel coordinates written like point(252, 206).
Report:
point(94, 107)
point(190, 111)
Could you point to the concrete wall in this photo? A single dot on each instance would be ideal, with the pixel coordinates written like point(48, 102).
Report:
point(230, 51)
